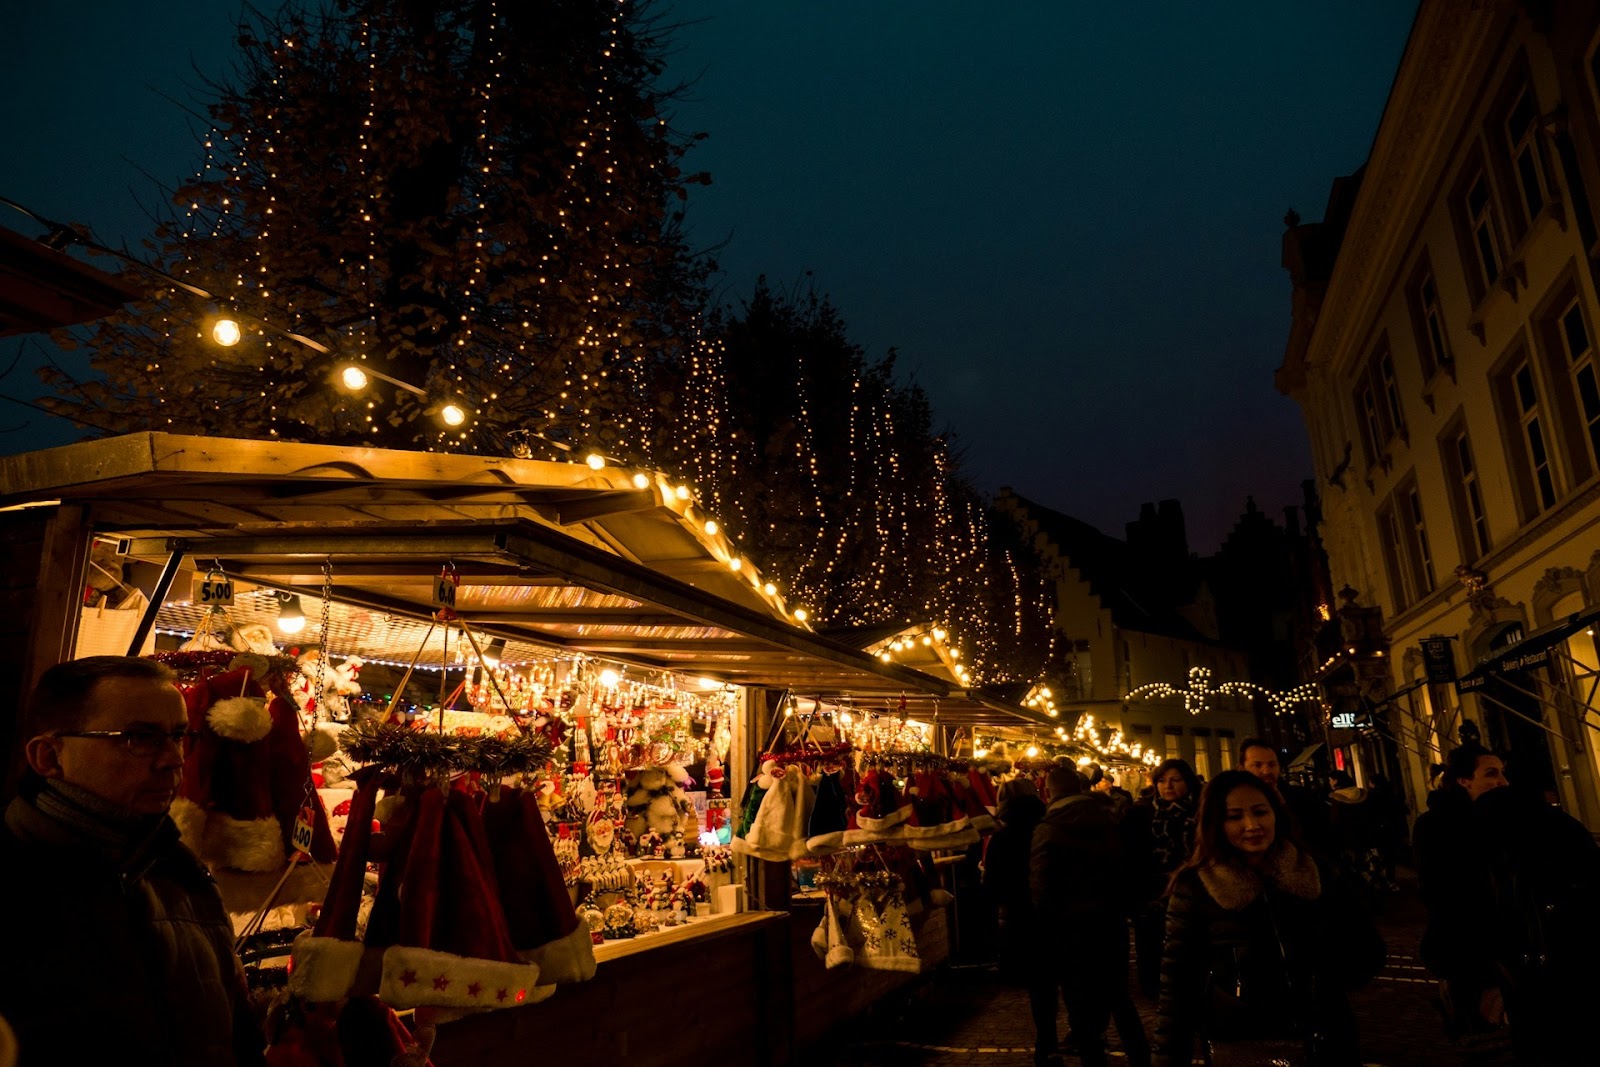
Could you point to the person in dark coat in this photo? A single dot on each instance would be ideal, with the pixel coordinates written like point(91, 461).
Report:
point(1082, 881)
point(1457, 894)
point(1005, 876)
point(1262, 944)
point(1160, 835)
point(119, 949)
point(1308, 812)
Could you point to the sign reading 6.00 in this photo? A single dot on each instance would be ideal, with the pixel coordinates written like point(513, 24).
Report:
point(214, 591)
point(444, 591)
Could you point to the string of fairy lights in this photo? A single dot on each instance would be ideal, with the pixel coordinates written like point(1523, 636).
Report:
point(293, 317)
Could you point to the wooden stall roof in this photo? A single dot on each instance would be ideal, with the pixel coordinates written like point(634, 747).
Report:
point(552, 556)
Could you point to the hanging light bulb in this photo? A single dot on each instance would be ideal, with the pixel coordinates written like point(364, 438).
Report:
point(226, 332)
point(493, 652)
point(1032, 751)
point(452, 415)
point(354, 378)
point(682, 492)
point(712, 527)
point(800, 614)
point(641, 481)
point(609, 678)
point(735, 563)
point(770, 589)
point(595, 461)
point(291, 617)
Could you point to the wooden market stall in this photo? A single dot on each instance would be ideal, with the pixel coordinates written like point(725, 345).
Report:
point(552, 559)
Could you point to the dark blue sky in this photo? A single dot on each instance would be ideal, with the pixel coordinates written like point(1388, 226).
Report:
point(1066, 216)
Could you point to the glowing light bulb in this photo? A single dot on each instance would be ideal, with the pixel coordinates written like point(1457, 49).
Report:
point(846, 718)
point(735, 563)
point(770, 589)
point(712, 527)
point(682, 492)
point(641, 481)
point(800, 614)
point(938, 635)
point(979, 753)
point(354, 378)
point(884, 656)
point(595, 461)
point(1032, 751)
point(226, 332)
point(452, 415)
point(609, 678)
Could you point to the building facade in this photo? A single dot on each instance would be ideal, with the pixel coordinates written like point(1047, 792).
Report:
point(1132, 613)
point(1445, 352)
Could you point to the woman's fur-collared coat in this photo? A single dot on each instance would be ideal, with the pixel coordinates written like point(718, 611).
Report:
point(1266, 953)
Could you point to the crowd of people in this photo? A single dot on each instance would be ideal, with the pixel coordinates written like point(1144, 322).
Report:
point(1251, 905)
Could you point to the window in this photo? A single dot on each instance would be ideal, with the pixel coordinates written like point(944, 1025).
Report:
point(1481, 226)
point(1225, 744)
point(1407, 552)
point(1378, 407)
point(1578, 348)
point(1433, 351)
point(1522, 144)
point(1525, 391)
point(1174, 742)
point(1202, 758)
point(1466, 493)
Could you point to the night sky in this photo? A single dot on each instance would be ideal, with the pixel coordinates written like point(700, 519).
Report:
point(1065, 216)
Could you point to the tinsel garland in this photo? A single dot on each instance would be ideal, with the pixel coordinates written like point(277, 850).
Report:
point(225, 658)
point(421, 754)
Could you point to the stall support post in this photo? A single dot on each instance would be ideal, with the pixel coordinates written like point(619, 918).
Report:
point(42, 577)
point(157, 597)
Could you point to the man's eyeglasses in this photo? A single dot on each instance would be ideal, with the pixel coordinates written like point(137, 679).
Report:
point(142, 741)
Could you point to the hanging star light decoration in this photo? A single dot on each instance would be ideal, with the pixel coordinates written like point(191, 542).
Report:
point(1197, 697)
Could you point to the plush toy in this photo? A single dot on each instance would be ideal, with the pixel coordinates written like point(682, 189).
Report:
point(339, 684)
point(656, 801)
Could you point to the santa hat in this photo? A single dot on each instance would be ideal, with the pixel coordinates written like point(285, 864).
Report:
point(437, 928)
point(245, 778)
point(543, 925)
point(829, 817)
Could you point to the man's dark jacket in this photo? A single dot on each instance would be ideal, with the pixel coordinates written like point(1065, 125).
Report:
point(118, 949)
point(1079, 872)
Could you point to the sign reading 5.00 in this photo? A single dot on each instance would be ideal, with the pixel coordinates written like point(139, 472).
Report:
point(213, 591)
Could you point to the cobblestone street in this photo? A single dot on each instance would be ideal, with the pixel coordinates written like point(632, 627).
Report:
point(964, 1015)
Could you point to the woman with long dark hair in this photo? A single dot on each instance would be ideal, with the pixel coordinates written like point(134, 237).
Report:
point(1262, 945)
point(1160, 836)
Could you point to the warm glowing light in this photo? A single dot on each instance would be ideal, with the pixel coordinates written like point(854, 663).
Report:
point(770, 589)
point(938, 635)
point(682, 492)
point(979, 753)
point(452, 415)
point(595, 461)
point(712, 527)
point(354, 378)
point(800, 614)
point(1032, 751)
point(291, 619)
point(609, 678)
point(226, 332)
point(735, 563)
point(709, 683)
point(641, 481)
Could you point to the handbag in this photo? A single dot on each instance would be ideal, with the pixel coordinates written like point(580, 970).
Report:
point(107, 631)
point(1253, 1021)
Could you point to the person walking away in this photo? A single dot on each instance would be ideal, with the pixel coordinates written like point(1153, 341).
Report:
point(1159, 832)
point(1354, 818)
point(1099, 781)
point(1005, 875)
point(1081, 880)
point(1308, 812)
point(1262, 945)
point(119, 949)
point(1454, 877)
point(1544, 876)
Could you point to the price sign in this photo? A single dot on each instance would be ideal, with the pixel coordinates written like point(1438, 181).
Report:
point(303, 823)
point(213, 591)
point(444, 591)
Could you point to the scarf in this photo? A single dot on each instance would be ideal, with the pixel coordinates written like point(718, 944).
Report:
point(1172, 832)
point(125, 839)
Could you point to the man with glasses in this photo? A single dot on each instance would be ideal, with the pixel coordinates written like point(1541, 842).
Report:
point(118, 948)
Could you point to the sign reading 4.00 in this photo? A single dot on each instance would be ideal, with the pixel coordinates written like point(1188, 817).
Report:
point(213, 591)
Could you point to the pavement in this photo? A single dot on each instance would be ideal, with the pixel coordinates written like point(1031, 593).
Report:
point(965, 1014)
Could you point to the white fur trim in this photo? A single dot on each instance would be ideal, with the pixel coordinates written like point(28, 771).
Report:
point(567, 959)
point(889, 821)
point(911, 834)
point(964, 838)
point(909, 964)
point(240, 718)
point(420, 977)
point(191, 820)
point(840, 956)
point(983, 823)
point(387, 808)
point(243, 844)
point(321, 743)
point(825, 844)
point(323, 969)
